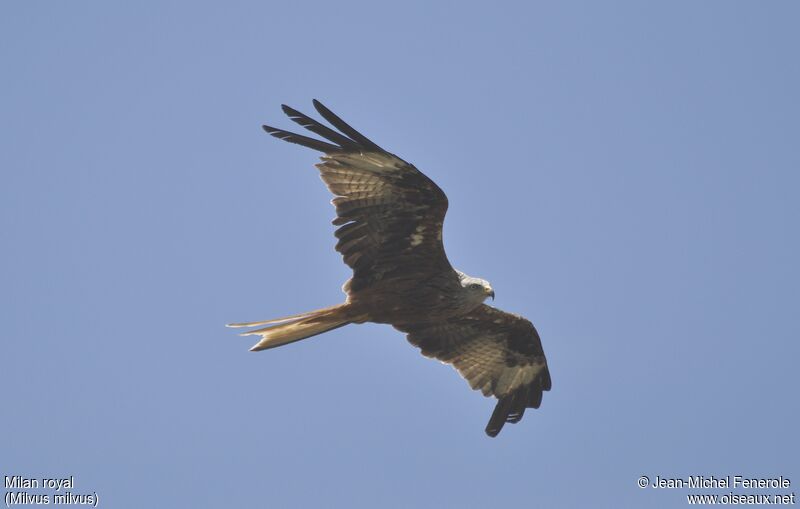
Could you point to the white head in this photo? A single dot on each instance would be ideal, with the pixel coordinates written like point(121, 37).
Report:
point(476, 289)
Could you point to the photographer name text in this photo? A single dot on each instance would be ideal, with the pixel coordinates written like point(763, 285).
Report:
point(728, 481)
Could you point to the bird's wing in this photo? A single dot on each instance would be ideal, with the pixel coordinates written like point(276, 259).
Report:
point(498, 353)
point(389, 214)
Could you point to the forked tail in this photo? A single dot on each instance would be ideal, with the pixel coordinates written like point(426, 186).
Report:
point(289, 329)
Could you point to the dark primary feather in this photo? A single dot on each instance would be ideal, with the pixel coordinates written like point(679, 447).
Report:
point(498, 353)
point(390, 214)
point(343, 126)
point(315, 127)
point(301, 140)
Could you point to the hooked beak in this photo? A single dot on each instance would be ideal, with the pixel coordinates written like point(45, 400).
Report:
point(491, 294)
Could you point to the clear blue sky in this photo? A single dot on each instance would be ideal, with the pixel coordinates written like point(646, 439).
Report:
point(626, 175)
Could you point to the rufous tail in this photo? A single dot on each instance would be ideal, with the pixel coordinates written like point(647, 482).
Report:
point(282, 331)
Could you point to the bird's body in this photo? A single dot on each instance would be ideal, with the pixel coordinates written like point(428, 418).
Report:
point(436, 298)
point(390, 219)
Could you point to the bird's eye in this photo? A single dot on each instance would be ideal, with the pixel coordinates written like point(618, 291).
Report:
point(475, 286)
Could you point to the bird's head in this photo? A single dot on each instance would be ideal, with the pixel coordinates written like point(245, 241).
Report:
point(478, 289)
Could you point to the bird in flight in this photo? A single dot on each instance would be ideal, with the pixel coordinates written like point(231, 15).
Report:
point(389, 218)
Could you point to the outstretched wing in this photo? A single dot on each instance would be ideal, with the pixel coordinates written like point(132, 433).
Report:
point(496, 352)
point(389, 214)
